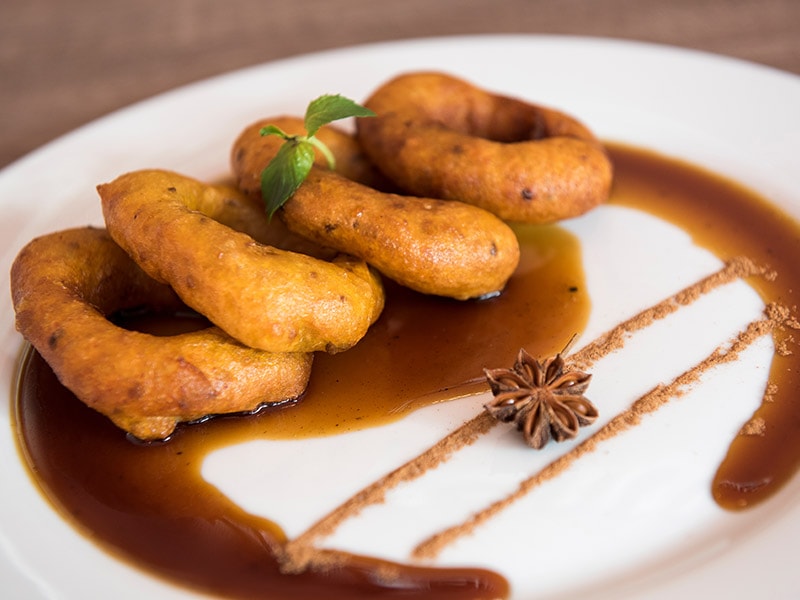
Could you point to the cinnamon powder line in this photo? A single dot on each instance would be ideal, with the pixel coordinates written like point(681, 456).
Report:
point(299, 553)
point(646, 404)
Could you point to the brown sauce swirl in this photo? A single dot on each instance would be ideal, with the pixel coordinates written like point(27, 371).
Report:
point(730, 221)
point(149, 504)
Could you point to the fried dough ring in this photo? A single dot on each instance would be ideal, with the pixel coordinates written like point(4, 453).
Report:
point(432, 246)
point(436, 135)
point(63, 286)
point(174, 228)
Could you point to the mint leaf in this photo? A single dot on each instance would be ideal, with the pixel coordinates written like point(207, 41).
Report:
point(329, 108)
point(292, 164)
point(285, 172)
point(274, 130)
point(326, 152)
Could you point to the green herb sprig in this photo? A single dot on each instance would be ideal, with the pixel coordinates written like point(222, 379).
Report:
point(292, 164)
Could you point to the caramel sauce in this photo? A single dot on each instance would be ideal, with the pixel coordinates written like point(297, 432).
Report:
point(149, 504)
point(733, 221)
point(423, 347)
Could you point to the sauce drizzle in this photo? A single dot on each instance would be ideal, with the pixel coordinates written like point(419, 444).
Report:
point(148, 503)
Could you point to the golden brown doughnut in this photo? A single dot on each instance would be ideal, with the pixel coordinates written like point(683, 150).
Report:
point(438, 136)
point(65, 284)
point(175, 228)
point(432, 246)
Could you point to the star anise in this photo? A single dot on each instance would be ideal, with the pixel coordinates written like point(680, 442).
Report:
point(544, 399)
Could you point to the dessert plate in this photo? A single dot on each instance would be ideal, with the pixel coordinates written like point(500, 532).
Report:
point(615, 527)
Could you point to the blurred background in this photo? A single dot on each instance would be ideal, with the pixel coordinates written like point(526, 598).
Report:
point(65, 63)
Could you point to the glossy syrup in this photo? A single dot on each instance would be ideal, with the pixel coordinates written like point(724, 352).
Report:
point(150, 505)
point(732, 221)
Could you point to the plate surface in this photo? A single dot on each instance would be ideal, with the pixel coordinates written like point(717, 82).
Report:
point(654, 533)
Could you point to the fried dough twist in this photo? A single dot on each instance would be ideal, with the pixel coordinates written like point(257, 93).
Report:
point(432, 246)
point(439, 136)
point(65, 284)
point(175, 228)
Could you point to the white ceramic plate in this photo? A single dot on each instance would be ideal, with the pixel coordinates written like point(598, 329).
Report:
point(647, 527)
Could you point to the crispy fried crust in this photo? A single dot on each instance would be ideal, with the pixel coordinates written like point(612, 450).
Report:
point(439, 136)
point(432, 246)
point(63, 286)
point(175, 228)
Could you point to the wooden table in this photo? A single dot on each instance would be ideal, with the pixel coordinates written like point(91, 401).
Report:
point(65, 63)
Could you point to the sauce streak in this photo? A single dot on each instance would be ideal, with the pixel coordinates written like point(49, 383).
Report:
point(150, 505)
point(731, 221)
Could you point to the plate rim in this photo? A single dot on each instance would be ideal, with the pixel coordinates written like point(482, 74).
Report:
point(31, 160)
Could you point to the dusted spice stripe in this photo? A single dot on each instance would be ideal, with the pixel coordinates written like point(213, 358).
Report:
point(299, 553)
point(648, 403)
point(614, 339)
